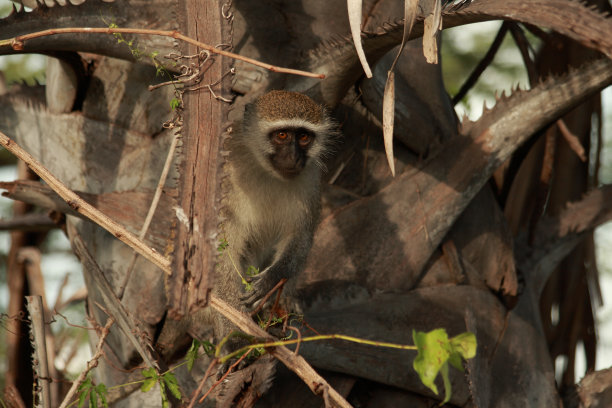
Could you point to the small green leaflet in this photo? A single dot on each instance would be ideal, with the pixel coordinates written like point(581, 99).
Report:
point(172, 384)
point(252, 271)
point(151, 379)
point(88, 389)
point(222, 245)
point(435, 351)
point(165, 381)
point(192, 353)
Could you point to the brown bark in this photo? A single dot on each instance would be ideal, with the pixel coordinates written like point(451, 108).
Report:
point(200, 184)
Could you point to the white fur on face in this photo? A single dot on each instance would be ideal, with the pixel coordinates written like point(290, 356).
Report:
point(323, 133)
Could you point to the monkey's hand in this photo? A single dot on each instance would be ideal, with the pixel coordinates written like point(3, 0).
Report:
point(290, 260)
point(260, 285)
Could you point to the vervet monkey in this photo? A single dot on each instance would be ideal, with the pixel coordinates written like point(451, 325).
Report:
point(272, 196)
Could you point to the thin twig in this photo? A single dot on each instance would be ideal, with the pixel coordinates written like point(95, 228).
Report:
point(207, 374)
point(147, 222)
point(299, 335)
point(116, 309)
point(217, 97)
point(482, 65)
point(17, 43)
point(543, 35)
point(220, 380)
point(77, 326)
point(572, 140)
point(86, 209)
point(60, 293)
point(90, 364)
point(524, 47)
point(320, 337)
point(267, 296)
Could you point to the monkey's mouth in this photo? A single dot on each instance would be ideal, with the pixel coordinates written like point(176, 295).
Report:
point(289, 173)
point(287, 169)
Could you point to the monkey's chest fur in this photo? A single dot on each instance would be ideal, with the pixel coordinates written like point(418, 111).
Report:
point(264, 218)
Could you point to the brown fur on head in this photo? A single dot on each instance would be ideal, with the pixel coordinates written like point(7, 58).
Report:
point(279, 105)
point(284, 110)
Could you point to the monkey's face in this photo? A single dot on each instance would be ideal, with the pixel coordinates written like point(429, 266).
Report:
point(290, 150)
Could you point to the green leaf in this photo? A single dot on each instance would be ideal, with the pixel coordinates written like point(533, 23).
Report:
point(85, 385)
point(175, 103)
point(247, 285)
point(164, 396)
point(151, 378)
point(102, 392)
point(82, 398)
point(170, 380)
point(149, 373)
point(192, 353)
point(455, 360)
point(447, 383)
point(101, 389)
point(93, 399)
point(209, 348)
point(147, 385)
point(84, 391)
point(433, 352)
point(464, 344)
point(252, 271)
point(222, 245)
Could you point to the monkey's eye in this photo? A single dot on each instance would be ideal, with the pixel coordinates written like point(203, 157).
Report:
point(304, 139)
point(280, 136)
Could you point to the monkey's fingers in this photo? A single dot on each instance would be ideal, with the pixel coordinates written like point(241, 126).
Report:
point(259, 287)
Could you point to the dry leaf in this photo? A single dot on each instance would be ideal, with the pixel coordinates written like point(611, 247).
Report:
point(410, 12)
point(354, 15)
point(432, 24)
point(388, 117)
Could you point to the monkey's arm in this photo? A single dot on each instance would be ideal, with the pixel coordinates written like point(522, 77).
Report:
point(288, 262)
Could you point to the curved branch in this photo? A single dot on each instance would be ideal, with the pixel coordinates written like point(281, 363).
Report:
point(338, 61)
point(18, 42)
point(571, 18)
